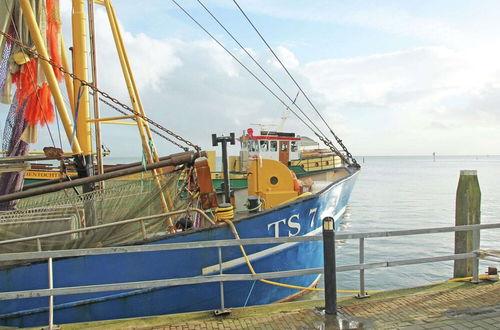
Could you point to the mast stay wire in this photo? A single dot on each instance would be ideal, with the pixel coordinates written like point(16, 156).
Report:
point(339, 141)
point(96, 90)
point(260, 66)
point(152, 129)
point(248, 70)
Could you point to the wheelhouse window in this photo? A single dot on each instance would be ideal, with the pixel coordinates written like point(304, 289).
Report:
point(293, 146)
point(244, 145)
point(264, 146)
point(273, 146)
point(253, 145)
point(284, 146)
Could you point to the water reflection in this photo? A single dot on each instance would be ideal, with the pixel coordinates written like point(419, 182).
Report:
point(342, 321)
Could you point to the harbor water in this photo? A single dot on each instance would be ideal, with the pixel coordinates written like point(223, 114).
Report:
point(401, 193)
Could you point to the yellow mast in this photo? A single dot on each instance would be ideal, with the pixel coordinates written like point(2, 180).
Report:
point(80, 70)
point(143, 127)
point(49, 73)
point(131, 81)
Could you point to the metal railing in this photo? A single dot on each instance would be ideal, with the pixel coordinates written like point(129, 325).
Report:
point(319, 162)
point(362, 266)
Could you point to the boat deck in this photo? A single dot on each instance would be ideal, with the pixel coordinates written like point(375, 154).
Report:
point(318, 182)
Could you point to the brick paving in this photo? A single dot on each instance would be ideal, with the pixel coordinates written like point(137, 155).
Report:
point(454, 307)
point(444, 308)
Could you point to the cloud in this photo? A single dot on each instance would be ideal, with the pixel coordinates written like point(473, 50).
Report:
point(411, 96)
point(286, 57)
point(393, 18)
point(412, 101)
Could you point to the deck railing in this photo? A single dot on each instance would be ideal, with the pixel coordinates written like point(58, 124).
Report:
point(221, 278)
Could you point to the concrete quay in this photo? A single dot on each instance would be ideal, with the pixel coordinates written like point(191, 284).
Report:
point(457, 305)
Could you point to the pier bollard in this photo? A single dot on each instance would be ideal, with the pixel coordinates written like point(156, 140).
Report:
point(467, 212)
point(330, 276)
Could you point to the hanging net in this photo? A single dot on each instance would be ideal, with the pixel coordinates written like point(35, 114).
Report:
point(13, 145)
point(68, 210)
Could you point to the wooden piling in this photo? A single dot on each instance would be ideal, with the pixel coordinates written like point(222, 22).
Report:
point(467, 212)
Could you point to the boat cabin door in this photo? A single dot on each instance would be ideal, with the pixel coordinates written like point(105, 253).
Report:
point(284, 152)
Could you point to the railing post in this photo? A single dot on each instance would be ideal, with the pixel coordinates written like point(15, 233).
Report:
point(475, 263)
point(143, 229)
point(222, 310)
point(51, 298)
point(329, 260)
point(362, 292)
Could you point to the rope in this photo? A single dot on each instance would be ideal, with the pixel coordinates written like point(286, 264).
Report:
point(495, 254)
point(290, 286)
point(80, 93)
point(224, 213)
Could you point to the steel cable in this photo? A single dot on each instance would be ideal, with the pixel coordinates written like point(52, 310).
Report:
point(339, 141)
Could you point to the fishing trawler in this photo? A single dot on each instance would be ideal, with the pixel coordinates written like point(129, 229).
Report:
point(301, 154)
point(174, 199)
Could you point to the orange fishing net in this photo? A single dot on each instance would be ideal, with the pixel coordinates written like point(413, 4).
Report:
point(39, 109)
point(25, 80)
point(53, 33)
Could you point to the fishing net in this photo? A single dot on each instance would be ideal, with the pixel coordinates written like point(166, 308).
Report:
point(67, 210)
point(13, 145)
point(4, 64)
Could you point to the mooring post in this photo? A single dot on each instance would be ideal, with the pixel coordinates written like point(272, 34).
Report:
point(467, 212)
point(329, 260)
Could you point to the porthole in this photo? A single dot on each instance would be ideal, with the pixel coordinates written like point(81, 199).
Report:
point(273, 180)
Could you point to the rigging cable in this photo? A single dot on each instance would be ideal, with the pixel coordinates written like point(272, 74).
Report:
point(339, 141)
point(260, 66)
point(243, 65)
point(96, 90)
point(152, 129)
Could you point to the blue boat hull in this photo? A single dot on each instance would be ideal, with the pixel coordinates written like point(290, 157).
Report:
point(302, 217)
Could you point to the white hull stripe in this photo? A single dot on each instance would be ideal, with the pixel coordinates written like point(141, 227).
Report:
point(264, 253)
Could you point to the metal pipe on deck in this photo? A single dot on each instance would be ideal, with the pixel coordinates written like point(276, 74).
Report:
point(187, 157)
point(107, 170)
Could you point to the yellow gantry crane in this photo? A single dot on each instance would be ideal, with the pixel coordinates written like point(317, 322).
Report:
point(78, 93)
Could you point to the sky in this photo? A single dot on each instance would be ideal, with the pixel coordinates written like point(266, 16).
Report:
point(389, 77)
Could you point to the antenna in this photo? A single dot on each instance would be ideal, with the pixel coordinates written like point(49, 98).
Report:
point(281, 125)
